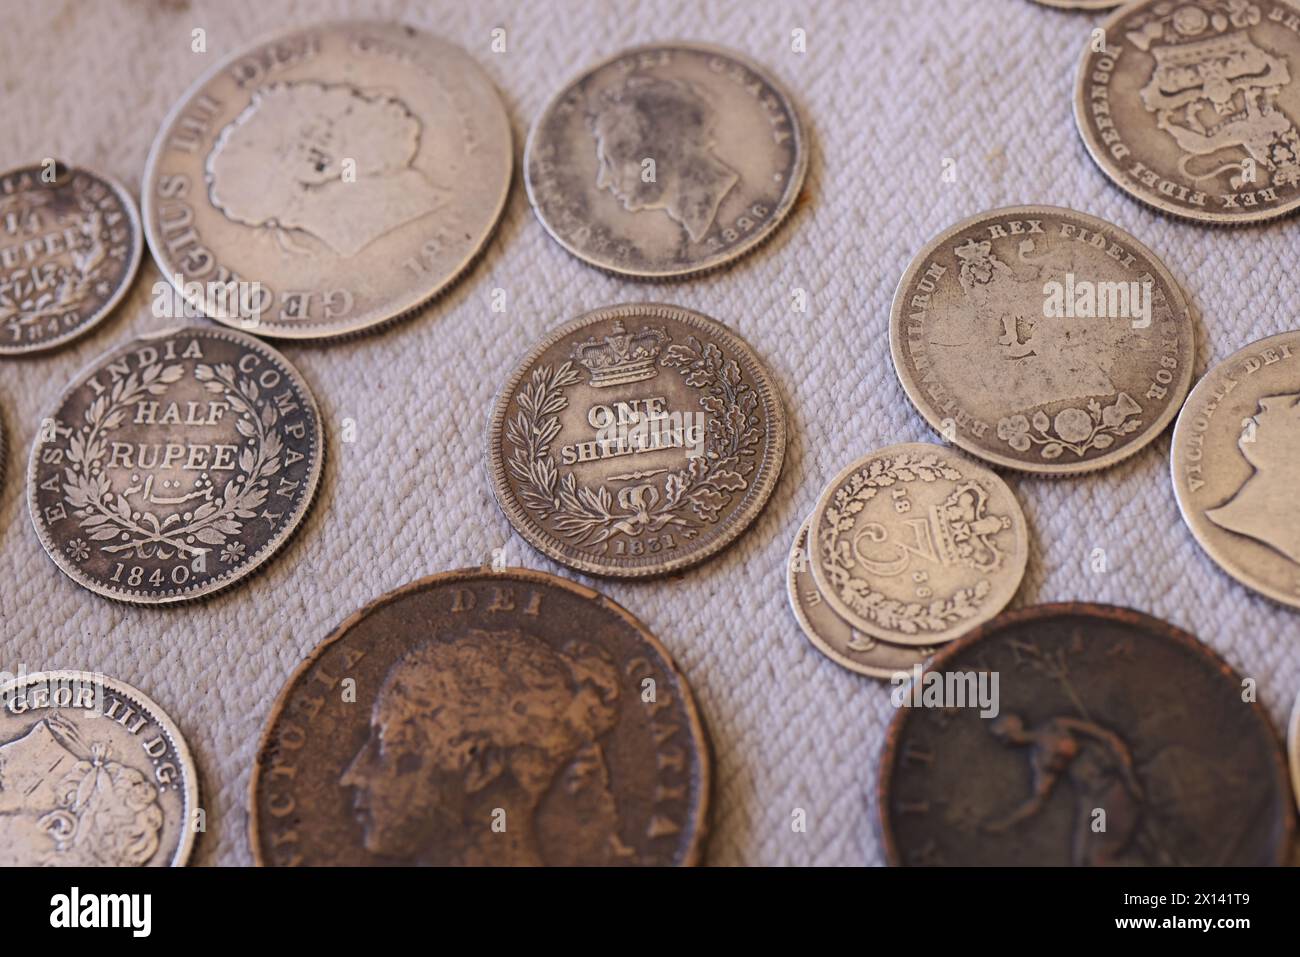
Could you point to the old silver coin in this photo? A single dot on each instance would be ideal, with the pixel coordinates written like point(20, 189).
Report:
point(832, 635)
point(636, 440)
point(92, 774)
point(1191, 107)
point(915, 544)
point(1041, 339)
point(1235, 456)
point(70, 244)
point(327, 180)
point(175, 465)
point(666, 160)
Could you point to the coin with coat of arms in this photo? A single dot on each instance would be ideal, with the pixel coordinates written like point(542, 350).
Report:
point(636, 440)
point(915, 544)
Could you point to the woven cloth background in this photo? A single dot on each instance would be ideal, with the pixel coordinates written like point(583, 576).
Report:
point(887, 91)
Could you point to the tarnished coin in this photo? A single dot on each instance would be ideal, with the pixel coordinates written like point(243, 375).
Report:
point(832, 635)
point(636, 440)
point(1041, 339)
point(69, 247)
point(1085, 735)
point(496, 718)
point(1235, 457)
point(327, 180)
point(915, 544)
point(666, 160)
point(92, 774)
point(1191, 107)
point(175, 465)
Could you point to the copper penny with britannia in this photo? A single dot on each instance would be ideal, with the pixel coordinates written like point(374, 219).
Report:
point(666, 160)
point(70, 243)
point(1043, 340)
point(328, 179)
point(1191, 106)
point(175, 465)
point(636, 440)
point(92, 774)
point(1082, 735)
point(915, 544)
point(484, 718)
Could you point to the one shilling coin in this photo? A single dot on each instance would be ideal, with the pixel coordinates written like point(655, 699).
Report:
point(1191, 107)
point(636, 440)
point(1085, 735)
point(343, 174)
point(499, 718)
point(94, 774)
point(1235, 457)
point(69, 249)
point(666, 160)
point(915, 544)
point(1043, 340)
point(175, 465)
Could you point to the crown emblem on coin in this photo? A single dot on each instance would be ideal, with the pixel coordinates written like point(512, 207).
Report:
point(964, 530)
point(621, 357)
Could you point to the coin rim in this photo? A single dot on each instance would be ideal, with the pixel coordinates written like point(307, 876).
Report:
point(1293, 749)
point(694, 851)
point(1178, 391)
point(1110, 613)
point(773, 456)
point(780, 214)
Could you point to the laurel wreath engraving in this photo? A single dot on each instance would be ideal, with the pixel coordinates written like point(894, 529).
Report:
point(592, 515)
point(109, 516)
point(838, 561)
point(1072, 429)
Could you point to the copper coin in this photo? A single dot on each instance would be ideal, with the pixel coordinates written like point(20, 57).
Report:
point(636, 440)
point(1113, 738)
point(483, 718)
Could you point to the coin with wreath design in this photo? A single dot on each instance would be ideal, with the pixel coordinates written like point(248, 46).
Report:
point(636, 440)
point(175, 465)
point(915, 544)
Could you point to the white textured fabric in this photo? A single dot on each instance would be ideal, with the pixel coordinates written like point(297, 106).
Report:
point(887, 89)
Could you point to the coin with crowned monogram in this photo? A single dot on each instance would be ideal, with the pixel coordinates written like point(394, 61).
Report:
point(636, 440)
point(484, 717)
point(70, 243)
point(1041, 339)
point(175, 465)
point(915, 544)
point(666, 160)
point(327, 180)
point(1234, 459)
point(92, 774)
point(1191, 107)
point(832, 635)
point(1082, 735)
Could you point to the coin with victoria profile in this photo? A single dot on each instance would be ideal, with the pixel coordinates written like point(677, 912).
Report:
point(481, 717)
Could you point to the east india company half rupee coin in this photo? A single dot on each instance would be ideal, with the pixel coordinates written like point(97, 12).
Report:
point(666, 160)
point(175, 465)
point(327, 180)
point(1191, 106)
point(636, 440)
point(1042, 339)
point(499, 718)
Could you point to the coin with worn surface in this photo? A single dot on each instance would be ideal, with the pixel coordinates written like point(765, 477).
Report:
point(832, 635)
point(636, 440)
point(327, 180)
point(1234, 459)
point(92, 774)
point(175, 465)
point(915, 544)
point(69, 249)
point(1191, 107)
point(484, 718)
point(1084, 735)
point(1043, 340)
point(666, 160)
